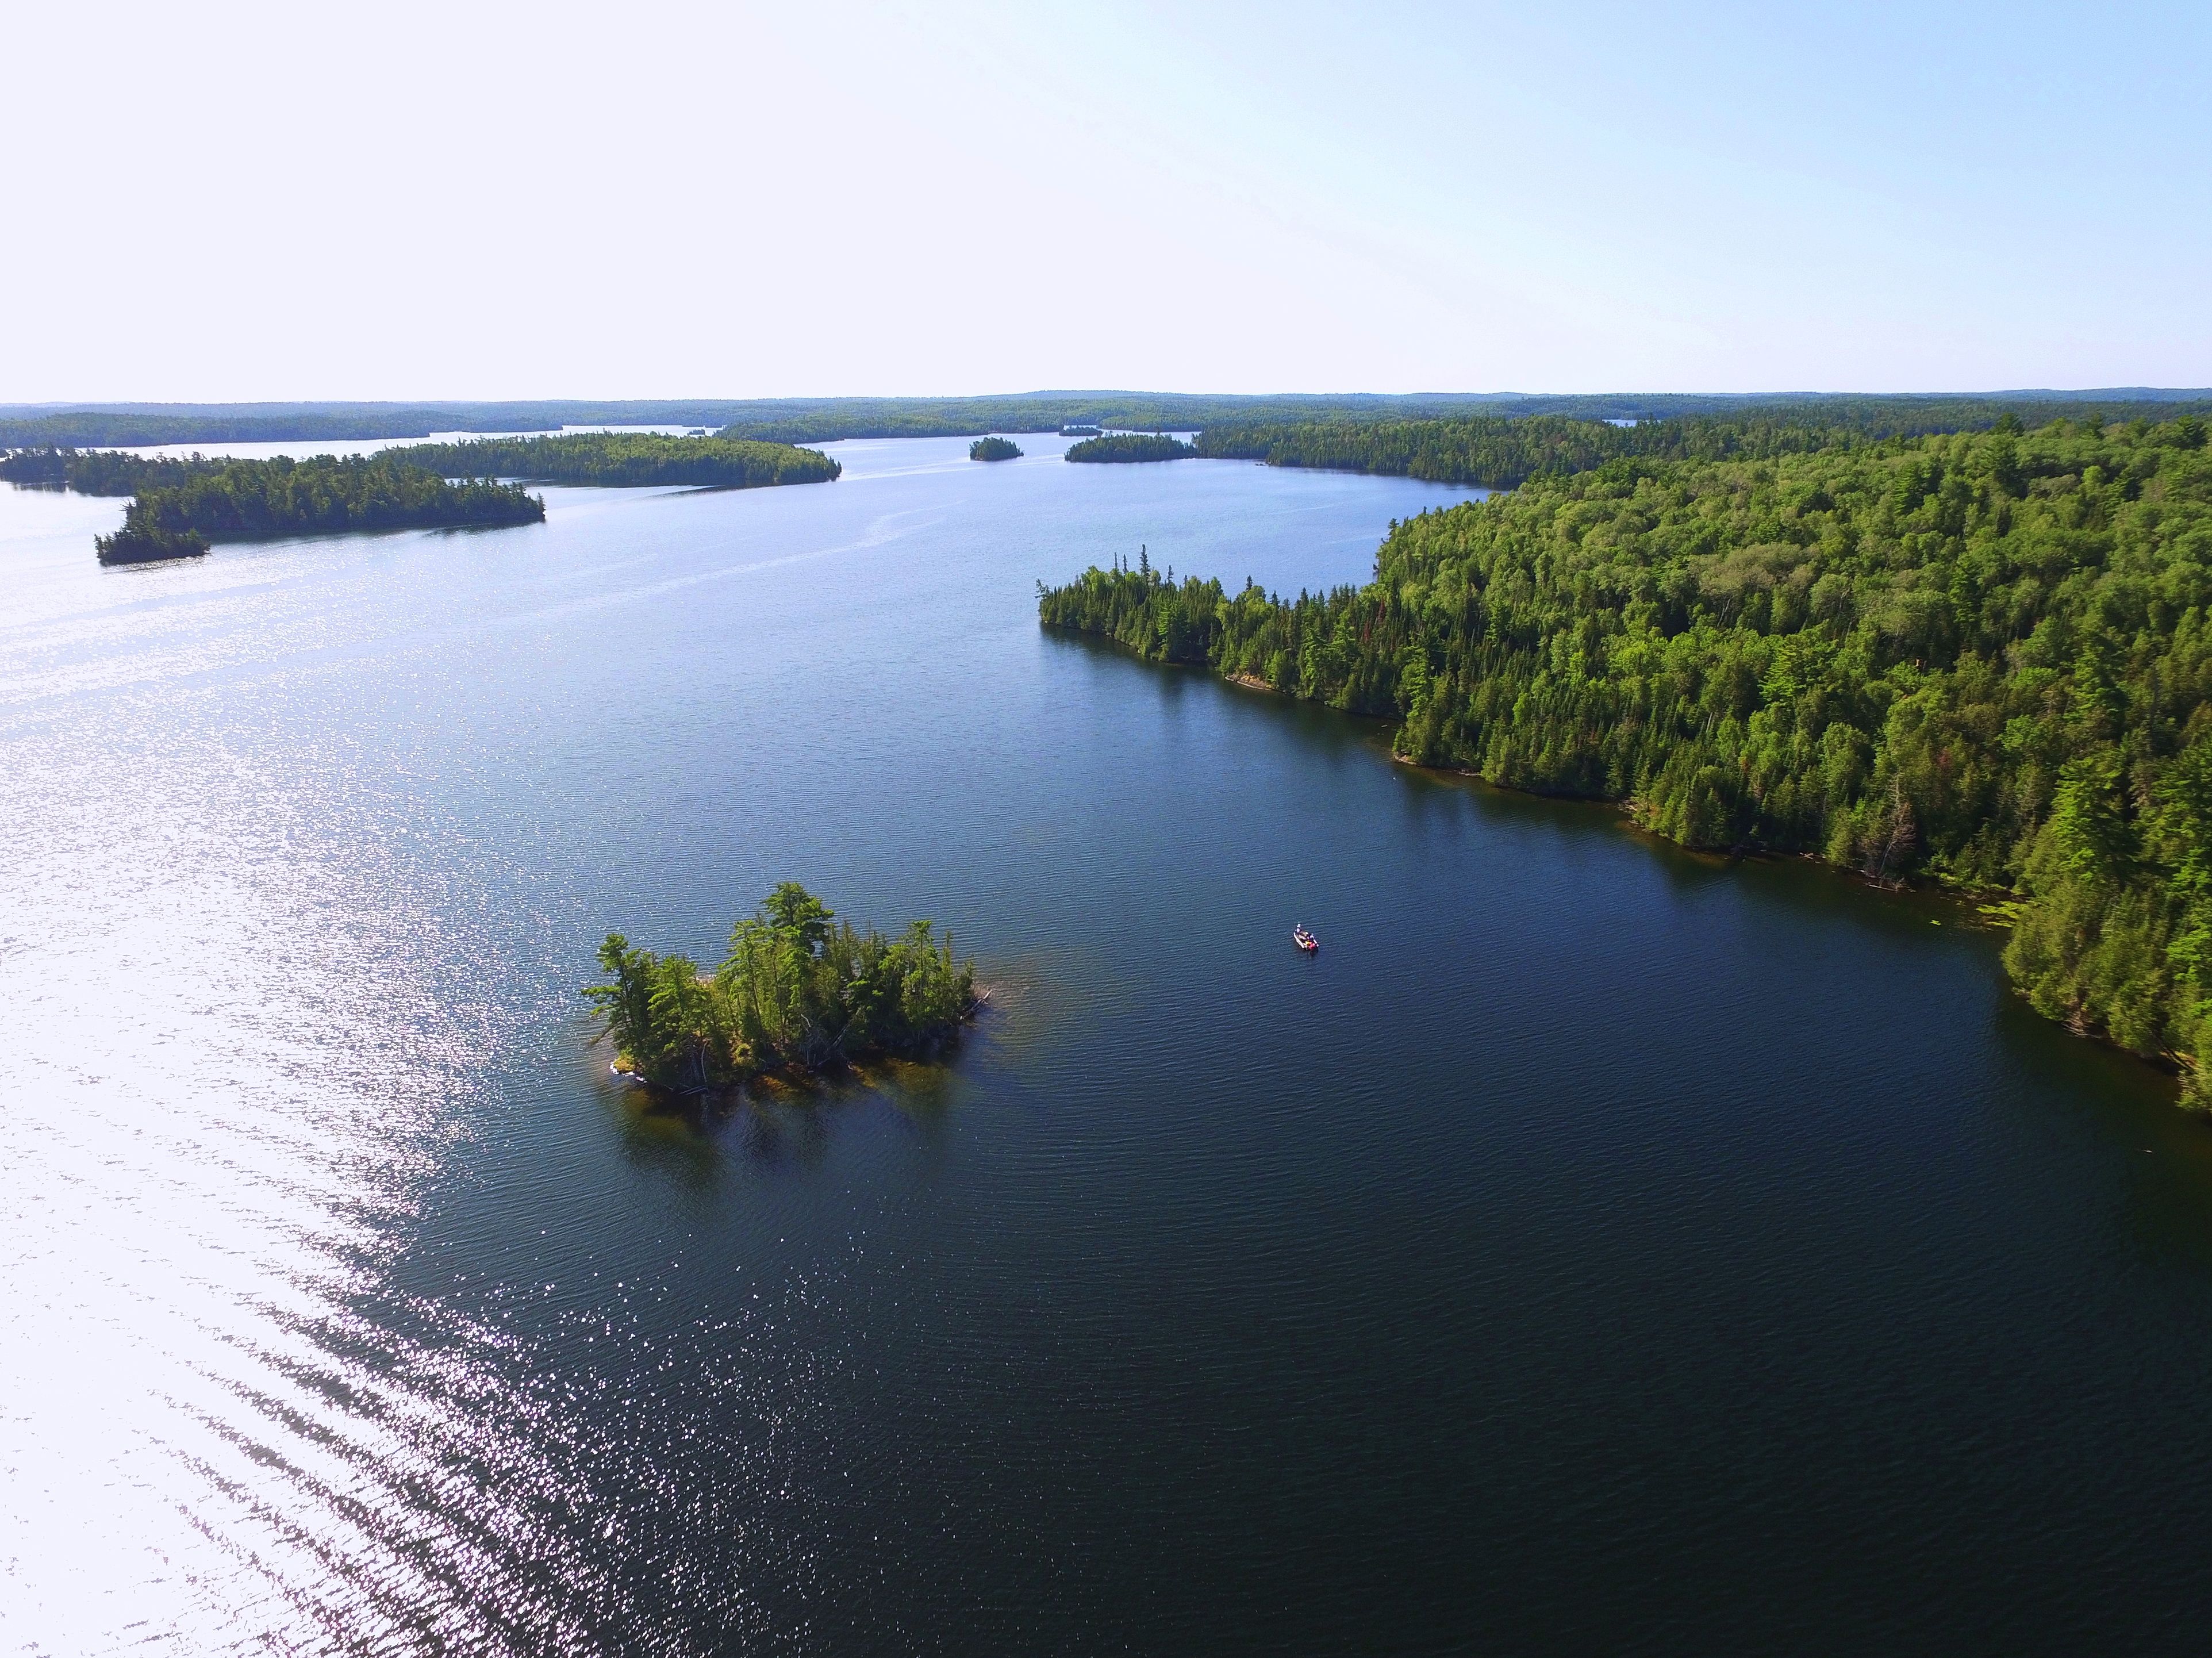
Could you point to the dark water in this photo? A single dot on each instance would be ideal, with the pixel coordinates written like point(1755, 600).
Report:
point(1596, 1249)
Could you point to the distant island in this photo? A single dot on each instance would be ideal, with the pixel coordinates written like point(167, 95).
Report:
point(994, 449)
point(1130, 447)
point(1979, 658)
point(202, 501)
point(626, 460)
point(794, 993)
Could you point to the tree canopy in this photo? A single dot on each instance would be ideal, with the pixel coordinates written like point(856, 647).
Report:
point(243, 500)
point(1129, 446)
point(625, 459)
point(994, 449)
point(793, 990)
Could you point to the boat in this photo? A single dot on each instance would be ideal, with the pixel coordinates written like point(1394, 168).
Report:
point(1305, 940)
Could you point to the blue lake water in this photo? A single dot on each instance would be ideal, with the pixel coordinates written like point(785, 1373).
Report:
point(1597, 1248)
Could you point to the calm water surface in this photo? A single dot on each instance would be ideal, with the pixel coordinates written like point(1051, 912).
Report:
point(1596, 1249)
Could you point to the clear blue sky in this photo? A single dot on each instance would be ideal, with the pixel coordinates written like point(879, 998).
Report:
point(724, 200)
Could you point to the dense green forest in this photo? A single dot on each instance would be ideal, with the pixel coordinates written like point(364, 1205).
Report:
point(994, 449)
point(793, 990)
point(1498, 451)
point(599, 458)
point(1498, 454)
point(43, 464)
point(1129, 446)
point(1981, 658)
point(99, 471)
point(625, 459)
point(242, 500)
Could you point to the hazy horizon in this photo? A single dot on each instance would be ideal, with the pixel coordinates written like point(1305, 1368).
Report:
point(2118, 393)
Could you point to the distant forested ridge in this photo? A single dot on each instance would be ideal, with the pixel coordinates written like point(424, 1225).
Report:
point(244, 500)
point(1984, 659)
point(97, 428)
point(793, 990)
point(599, 458)
point(820, 420)
point(994, 449)
point(625, 459)
point(1129, 446)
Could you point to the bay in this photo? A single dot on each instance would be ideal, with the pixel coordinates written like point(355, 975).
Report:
point(1597, 1247)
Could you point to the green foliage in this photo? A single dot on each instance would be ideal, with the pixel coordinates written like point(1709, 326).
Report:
point(98, 472)
point(242, 500)
point(146, 544)
point(1499, 454)
point(43, 465)
point(614, 459)
point(994, 449)
point(1983, 658)
point(794, 991)
point(1129, 446)
point(624, 460)
point(1140, 608)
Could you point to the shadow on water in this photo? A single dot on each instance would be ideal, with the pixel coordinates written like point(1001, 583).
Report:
point(789, 1121)
point(1809, 888)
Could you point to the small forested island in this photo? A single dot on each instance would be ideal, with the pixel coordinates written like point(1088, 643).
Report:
point(794, 993)
point(1983, 658)
point(626, 459)
point(1130, 447)
point(199, 502)
point(994, 449)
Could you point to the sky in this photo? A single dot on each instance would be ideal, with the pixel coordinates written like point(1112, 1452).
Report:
point(223, 202)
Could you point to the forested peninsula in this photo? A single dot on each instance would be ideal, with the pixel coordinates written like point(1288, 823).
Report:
point(1129, 446)
point(1498, 451)
point(196, 503)
point(794, 993)
point(625, 459)
point(1981, 658)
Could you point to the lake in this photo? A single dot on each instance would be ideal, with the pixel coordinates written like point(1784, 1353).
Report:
point(1595, 1248)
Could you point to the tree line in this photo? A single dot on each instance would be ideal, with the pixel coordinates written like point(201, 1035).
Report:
point(88, 428)
point(1498, 454)
point(793, 992)
point(614, 459)
point(625, 459)
point(99, 471)
point(202, 501)
point(815, 419)
point(1129, 446)
point(1982, 659)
